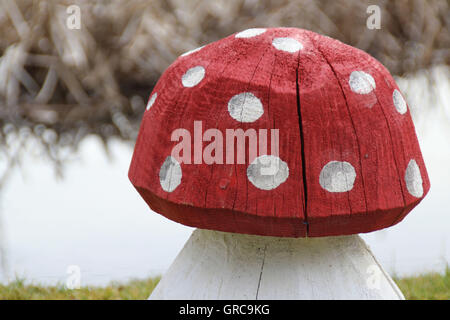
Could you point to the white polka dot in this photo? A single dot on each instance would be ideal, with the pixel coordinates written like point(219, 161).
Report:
point(337, 176)
point(170, 174)
point(245, 107)
point(399, 102)
point(250, 33)
point(413, 179)
point(152, 100)
point(193, 76)
point(192, 51)
point(361, 82)
point(287, 44)
point(267, 172)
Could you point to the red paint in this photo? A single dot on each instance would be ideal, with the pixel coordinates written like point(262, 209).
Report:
point(336, 124)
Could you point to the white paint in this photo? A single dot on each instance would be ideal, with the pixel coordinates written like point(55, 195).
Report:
point(267, 172)
point(192, 51)
point(287, 44)
point(249, 33)
point(399, 102)
point(361, 82)
point(170, 174)
point(152, 100)
point(413, 179)
point(221, 265)
point(245, 107)
point(193, 76)
point(337, 176)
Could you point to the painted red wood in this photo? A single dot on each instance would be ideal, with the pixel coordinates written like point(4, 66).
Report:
point(350, 161)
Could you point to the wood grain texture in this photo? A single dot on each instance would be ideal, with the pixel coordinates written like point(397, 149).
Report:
point(218, 265)
point(345, 142)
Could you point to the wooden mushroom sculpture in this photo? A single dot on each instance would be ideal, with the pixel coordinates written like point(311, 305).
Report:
point(335, 155)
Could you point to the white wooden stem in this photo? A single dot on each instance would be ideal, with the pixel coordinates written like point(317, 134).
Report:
point(221, 265)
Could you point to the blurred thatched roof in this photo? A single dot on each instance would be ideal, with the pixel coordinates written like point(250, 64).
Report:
point(59, 85)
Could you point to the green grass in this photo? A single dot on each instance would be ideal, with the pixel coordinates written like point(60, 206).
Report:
point(135, 289)
point(430, 286)
point(424, 287)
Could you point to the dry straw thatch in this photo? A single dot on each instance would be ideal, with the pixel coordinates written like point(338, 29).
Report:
point(58, 85)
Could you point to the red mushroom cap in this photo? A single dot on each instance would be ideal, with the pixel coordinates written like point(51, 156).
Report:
point(348, 159)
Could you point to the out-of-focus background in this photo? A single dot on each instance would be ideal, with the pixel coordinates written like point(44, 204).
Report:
point(71, 100)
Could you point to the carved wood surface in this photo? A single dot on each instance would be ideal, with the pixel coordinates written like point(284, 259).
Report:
point(219, 265)
point(348, 161)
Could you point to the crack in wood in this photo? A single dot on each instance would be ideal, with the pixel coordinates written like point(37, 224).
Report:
point(260, 274)
point(302, 147)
